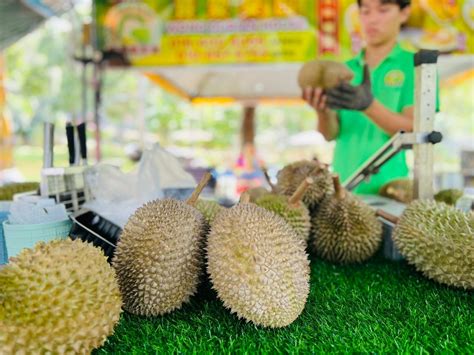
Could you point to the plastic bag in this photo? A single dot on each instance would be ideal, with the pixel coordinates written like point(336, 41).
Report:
point(116, 195)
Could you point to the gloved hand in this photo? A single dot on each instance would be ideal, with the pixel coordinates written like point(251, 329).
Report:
point(349, 97)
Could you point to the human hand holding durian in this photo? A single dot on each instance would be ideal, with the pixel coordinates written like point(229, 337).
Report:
point(158, 258)
point(258, 265)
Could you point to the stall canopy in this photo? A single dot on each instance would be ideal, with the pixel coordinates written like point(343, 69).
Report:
point(20, 17)
point(252, 49)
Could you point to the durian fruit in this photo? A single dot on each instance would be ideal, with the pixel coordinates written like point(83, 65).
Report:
point(291, 209)
point(58, 297)
point(256, 192)
point(9, 190)
point(323, 73)
point(439, 241)
point(346, 229)
point(158, 258)
point(209, 209)
point(448, 196)
point(292, 175)
point(400, 190)
point(258, 265)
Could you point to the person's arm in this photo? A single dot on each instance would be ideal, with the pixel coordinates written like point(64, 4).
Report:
point(328, 123)
point(389, 121)
point(360, 98)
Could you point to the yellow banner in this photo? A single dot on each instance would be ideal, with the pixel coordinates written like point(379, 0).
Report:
point(197, 32)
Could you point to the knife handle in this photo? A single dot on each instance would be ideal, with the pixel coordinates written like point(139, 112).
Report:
point(81, 131)
point(70, 142)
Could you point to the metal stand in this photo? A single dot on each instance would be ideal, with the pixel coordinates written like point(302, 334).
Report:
point(399, 141)
point(425, 109)
point(422, 138)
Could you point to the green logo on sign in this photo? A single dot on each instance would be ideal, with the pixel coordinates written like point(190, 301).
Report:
point(394, 78)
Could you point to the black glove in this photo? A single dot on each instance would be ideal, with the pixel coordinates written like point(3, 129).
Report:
point(349, 97)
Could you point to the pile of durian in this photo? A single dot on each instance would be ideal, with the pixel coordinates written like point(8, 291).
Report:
point(255, 260)
point(63, 296)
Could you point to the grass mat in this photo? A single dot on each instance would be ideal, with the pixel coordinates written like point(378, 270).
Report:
point(380, 306)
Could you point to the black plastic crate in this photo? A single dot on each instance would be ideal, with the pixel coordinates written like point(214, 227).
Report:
point(93, 228)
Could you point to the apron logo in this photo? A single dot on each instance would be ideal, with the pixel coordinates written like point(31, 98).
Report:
point(394, 78)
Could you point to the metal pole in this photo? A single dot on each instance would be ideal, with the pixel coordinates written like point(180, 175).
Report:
point(48, 145)
point(97, 103)
point(425, 109)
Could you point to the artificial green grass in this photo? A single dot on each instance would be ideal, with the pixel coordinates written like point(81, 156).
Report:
point(380, 306)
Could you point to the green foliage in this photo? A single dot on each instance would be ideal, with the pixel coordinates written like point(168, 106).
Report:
point(378, 307)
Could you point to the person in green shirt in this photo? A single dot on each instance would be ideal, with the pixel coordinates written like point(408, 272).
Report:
point(361, 116)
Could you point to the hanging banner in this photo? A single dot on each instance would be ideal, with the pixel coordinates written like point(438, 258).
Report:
point(199, 32)
point(444, 25)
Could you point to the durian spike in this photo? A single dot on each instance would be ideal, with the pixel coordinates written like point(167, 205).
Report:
point(388, 216)
point(197, 191)
point(244, 198)
point(300, 191)
point(339, 190)
point(267, 177)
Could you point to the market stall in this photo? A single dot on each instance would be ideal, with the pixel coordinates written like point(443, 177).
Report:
point(151, 261)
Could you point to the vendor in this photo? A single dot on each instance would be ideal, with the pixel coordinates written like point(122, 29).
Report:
point(363, 116)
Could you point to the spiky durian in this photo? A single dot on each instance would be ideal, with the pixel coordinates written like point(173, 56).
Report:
point(258, 265)
point(291, 176)
point(448, 196)
point(59, 297)
point(291, 209)
point(209, 209)
point(399, 190)
point(159, 256)
point(323, 73)
point(9, 190)
point(346, 230)
point(256, 192)
point(439, 240)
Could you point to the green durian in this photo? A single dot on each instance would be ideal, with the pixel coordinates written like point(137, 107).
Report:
point(258, 265)
point(400, 190)
point(209, 209)
point(448, 196)
point(291, 209)
point(159, 256)
point(58, 297)
point(345, 229)
point(439, 240)
point(323, 73)
point(9, 190)
point(291, 176)
point(256, 192)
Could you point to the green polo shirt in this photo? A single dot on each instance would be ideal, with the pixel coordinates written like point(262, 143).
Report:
point(359, 137)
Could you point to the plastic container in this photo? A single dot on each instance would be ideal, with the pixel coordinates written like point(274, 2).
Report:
point(3, 246)
point(20, 236)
